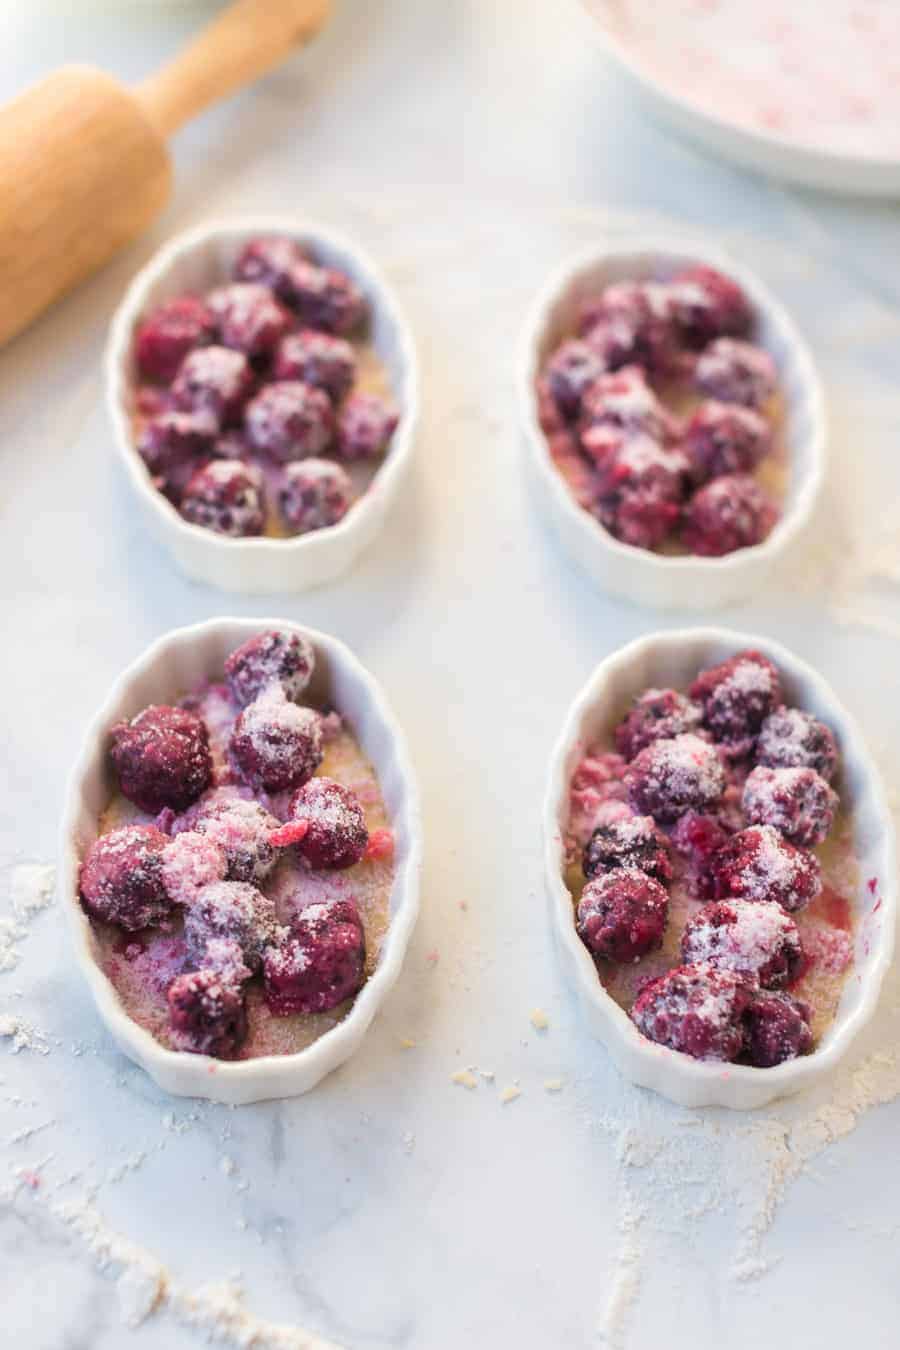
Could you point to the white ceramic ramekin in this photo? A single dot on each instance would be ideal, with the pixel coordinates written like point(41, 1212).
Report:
point(173, 665)
point(673, 659)
point(637, 574)
point(196, 261)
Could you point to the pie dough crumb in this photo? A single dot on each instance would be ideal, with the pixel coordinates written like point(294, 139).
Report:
point(554, 1084)
point(539, 1019)
point(464, 1078)
point(226, 1165)
point(509, 1094)
point(407, 1043)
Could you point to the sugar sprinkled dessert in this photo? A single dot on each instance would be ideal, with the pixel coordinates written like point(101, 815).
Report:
point(685, 810)
point(271, 369)
point(241, 917)
point(661, 391)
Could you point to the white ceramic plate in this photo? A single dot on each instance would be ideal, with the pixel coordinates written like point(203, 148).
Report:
point(173, 665)
point(673, 659)
point(196, 261)
point(817, 166)
point(637, 574)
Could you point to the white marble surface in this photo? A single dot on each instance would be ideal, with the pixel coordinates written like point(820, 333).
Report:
point(469, 145)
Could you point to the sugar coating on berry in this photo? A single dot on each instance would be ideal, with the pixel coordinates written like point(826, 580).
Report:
point(289, 420)
point(725, 439)
point(698, 837)
point(276, 744)
point(628, 841)
point(336, 834)
point(657, 715)
point(758, 940)
point(225, 496)
point(234, 910)
point(207, 1013)
point(171, 438)
point(797, 802)
point(121, 878)
point(314, 494)
point(214, 380)
point(320, 964)
point(640, 486)
point(707, 304)
point(240, 828)
point(571, 368)
point(737, 695)
point(269, 259)
point(162, 758)
point(730, 513)
point(670, 777)
point(326, 298)
point(733, 371)
point(622, 915)
point(168, 333)
point(190, 861)
point(274, 657)
point(696, 1009)
point(758, 864)
point(365, 426)
point(630, 323)
point(318, 359)
point(248, 318)
point(776, 1029)
point(790, 738)
point(624, 400)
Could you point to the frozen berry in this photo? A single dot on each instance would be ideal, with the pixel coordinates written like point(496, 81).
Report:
point(729, 513)
point(776, 1029)
point(758, 864)
point(696, 1009)
point(207, 1014)
point(214, 380)
point(707, 304)
point(189, 863)
point(320, 964)
point(550, 419)
point(724, 439)
point(798, 802)
point(314, 494)
point(167, 334)
point(630, 323)
point(162, 758)
point(640, 487)
point(276, 744)
point(570, 370)
point(318, 359)
point(622, 915)
point(248, 318)
point(365, 426)
point(273, 657)
point(670, 777)
point(658, 715)
point(289, 420)
point(173, 440)
point(241, 829)
point(270, 259)
point(122, 878)
point(790, 738)
point(735, 372)
point(336, 834)
point(325, 298)
point(632, 842)
point(698, 838)
point(759, 941)
point(225, 495)
point(737, 696)
point(234, 910)
point(624, 401)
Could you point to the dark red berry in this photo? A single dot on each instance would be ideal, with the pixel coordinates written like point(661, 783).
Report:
point(207, 1013)
point(735, 372)
point(622, 915)
point(758, 864)
point(162, 758)
point(273, 657)
point(276, 744)
point(248, 318)
point(790, 738)
point(729, 513)
point(670, 777)
point(756, 940)
point(325, 298)
point(214, 380)
point(723, 439)
point(572, 367)
point(706, 304)
point(698, 838)
point(657, 715)
point(270, 259)
point(318, 359)
point(737, 696)
point(168, 333)
point(365, 426)
point(225, 495)
point(234, 910)
point(336, 834)
point(289, 420)
point(315, 494)
point(798, 802)
point(241, 829)
point(776, 1029)
point(121, 878)
point(696, 1009)
point(320, 964)
point(631, 841)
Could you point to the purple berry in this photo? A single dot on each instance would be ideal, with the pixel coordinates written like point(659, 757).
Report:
point(314, 494)
point(273, 657)
point(624, 401)
point(214, 380)
point(225, 496)
point(275, 744)
point(706, 304)
point(572, 367)
point(670, 777)
point(622, 915)
point(168, 333)
point(698, 837)
point(797, 802)
point(729, 513)
point(336, 834)
point(737, 695)
point(365, 426)
point(162, 758)
point(735, 372)
point(790, 738)
point(696, 1009)
point(325, 298)
point(241, 829)
point(233, 910)
point(121, 878)
point(640, 487)
point(289, 420)
point(758, 941)
point(633, 842)
point(207, 1014)
point(270, 260)
point(321, 964)
point(658, 715)
point(172, 439)
point(758, 864)
point(248, 318)
point(776, 1029)
point(318, 359)
point(724, 439)
point(631, 324)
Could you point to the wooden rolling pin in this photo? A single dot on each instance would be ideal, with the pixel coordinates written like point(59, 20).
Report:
point(84, 166)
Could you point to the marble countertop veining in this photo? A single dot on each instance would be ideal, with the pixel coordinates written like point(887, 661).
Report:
point(469, 147)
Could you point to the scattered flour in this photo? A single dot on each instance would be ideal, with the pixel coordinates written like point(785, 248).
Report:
point(23, 1035)
point(30, 890)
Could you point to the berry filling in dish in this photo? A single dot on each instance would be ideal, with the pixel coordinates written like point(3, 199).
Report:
point(240, 881)
point(260, 408)
point(712, 869)
point(662, 415)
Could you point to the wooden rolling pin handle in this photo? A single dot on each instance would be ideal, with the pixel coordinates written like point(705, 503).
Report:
point(245, 41)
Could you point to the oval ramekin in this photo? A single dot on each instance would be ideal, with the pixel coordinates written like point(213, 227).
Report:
point(653, 579)
point(673, 659)
point(175, 663)
point(197, 260)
